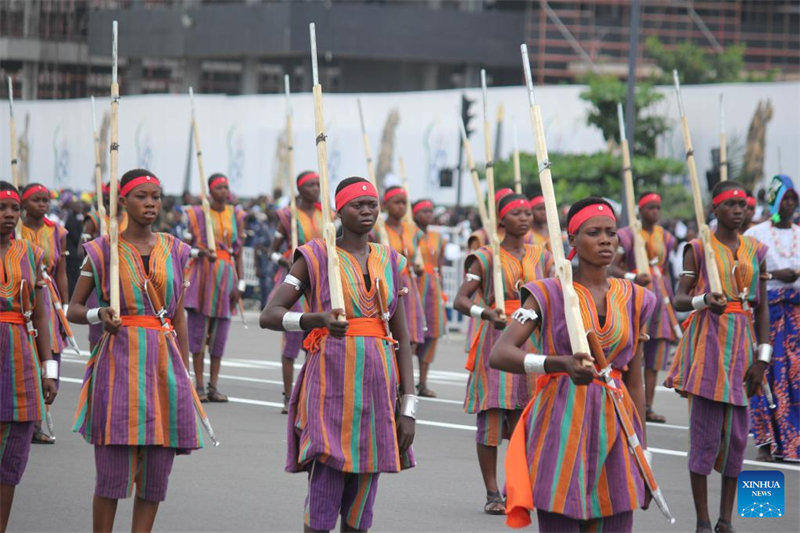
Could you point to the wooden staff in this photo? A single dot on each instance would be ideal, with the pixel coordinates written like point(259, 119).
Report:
point(476, 181)
point(515, 158)
point(290, 166)
point(497, 267)
point(714, 280)
point(563, 268)
point(98, 176)
point(383, 237)
point(408, 218)
point(640, 259)
point(723, 148)
point(329, 229)
point(14, 162)
point(210, 239)
point(113, 230)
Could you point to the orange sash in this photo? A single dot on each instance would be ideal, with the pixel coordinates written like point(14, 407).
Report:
point(224, 255)
point(356, 327)
point(11, 317)
point(731, 307)
point(144, 321)
point(510, 307)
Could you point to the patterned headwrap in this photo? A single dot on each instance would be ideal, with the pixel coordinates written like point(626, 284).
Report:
point(775, 193)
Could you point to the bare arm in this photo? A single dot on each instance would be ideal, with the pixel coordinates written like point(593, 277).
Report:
point(686, 284)
point(179, 323)
point(754, 376)
point(61, 272)
point(43, 346)
point(77, 305)
point(464, 301)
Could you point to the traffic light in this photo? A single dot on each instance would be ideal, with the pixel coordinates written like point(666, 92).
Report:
point(466, 116)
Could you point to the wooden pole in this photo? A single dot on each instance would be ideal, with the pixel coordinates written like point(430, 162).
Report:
point(563, 268)
point(497, 267)
point(380, 227)
point(476, 182)
point(98, 176)
point(14, 161)
point(723, 143)
point(515, 157)
point(113, 230)
point(329, 230)
point(210, 239)
point(408, 218)
point(714, 280)
point(290, 166)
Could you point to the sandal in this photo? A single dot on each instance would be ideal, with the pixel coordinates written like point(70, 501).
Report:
point(424, 392)
point(201, 394)
point(703, 527)
point(495, 504)
point(724, 526)
point(652, 416)
point(40, 437)
point(214, 395)
point(285, 409)
point(765, 455)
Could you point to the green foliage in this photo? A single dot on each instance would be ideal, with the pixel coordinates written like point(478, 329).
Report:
point(694, 64)
point(605, 92)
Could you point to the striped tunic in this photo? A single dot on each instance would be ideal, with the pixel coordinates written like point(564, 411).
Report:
point(136, 390)
point(21, 398)
point(342, 410)
point(659, 244)
point(432, 297)
point(488, 388)
point(49, 238)
point(579, 464)
point(716, 350)
point(211, 283)
point(406, 243)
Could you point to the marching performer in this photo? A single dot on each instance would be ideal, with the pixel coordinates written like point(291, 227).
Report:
point(714, 364)
point(137, 404)
point(569, 457)
point(431, 246)
point(538, 233)
point(28, 373)
point(51, 237)
point(497, 397)
point(216, 282)
point(357, 357)
point(659, 245)
point(404, 239)
point(480, 237)
point(777, 427)
point(309, 226)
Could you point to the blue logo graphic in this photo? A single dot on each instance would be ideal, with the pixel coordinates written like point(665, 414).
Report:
point(760, 494)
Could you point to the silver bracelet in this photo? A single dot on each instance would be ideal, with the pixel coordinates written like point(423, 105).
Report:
point(630, 276)
point(472, 277)
point(408, 406)
point(476, 311)
point(242, 286)
point(275, 257)
point(699, 302)
point(93, 316)
point(50, 369)
point(534, 363)
point(195, 252)
point(291, 321)
point(765, 353)
point(294, 282)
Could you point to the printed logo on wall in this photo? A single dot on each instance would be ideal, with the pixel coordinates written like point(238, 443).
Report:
point(760, 494)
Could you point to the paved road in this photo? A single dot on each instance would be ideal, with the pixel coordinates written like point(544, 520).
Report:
point(241, 485)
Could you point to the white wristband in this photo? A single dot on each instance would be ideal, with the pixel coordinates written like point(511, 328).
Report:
point(275, 257)
point(93, 316)
point(630, 276)
point(534, 363)
point(699, 302)
point(476, 311)
point(195, 252)
point(50, 369)
point(408, 406)
point(291, 321)
point(241, 286)
point(65, 307)
point(765, 353)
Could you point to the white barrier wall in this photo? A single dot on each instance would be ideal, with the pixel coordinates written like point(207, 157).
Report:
point(240, 134)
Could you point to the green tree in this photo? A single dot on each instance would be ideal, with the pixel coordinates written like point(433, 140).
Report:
point(694, 64)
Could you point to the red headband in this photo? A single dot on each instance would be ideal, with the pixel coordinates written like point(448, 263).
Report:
point(513, 204)
point(727, 195)
point(649, 198)
point(353, 191)
point(393, 193)
point(424, 204)
point(502, 193)
point(106, 188)
point(222, 180)
point(34, 190)
point(135, 182)
point(590, 211)
point(10, 195)
point(307, 176)
point(536, 200)
point(751, 201)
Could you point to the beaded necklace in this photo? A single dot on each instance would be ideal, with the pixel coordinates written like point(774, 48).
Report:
point(793, 251)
